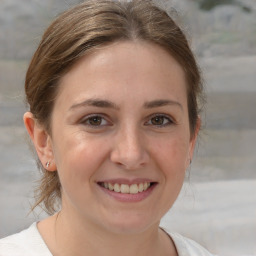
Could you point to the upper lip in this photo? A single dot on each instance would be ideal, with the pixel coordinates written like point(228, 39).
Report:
point(126, 181)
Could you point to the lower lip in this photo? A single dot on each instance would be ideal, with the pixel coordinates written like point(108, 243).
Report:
point(129, 197)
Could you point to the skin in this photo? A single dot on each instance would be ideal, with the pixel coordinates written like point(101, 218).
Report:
point(126, 141)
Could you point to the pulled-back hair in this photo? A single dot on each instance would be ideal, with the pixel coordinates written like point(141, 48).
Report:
point(85, 28)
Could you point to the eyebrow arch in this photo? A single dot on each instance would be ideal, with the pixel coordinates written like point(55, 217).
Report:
point(95, 103)
point(161, 103)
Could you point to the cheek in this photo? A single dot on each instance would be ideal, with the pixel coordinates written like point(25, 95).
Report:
point(78, 157)
point(172, 153)
point(171, 157)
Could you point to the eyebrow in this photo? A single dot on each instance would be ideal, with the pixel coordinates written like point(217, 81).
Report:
point(108, 104)
point(161, 103)
point(95, 103)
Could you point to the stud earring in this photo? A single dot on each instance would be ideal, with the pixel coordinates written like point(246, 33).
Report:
point(47, 164)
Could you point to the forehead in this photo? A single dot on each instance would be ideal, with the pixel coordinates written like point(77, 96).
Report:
point(137, 68)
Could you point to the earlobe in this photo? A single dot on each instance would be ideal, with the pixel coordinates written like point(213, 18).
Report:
point(41, 140)
point(193, 139)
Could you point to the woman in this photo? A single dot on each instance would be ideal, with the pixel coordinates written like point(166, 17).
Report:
point(113, 91)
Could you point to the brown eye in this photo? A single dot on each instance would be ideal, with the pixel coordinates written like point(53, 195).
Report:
point(158, 120)
point(94, 121)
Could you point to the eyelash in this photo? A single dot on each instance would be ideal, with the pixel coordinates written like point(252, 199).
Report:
point(89, 118)
point(170, 121)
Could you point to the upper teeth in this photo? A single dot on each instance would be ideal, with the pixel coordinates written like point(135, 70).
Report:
point(127, 189)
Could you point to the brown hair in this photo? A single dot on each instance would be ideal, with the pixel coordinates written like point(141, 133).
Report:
point(84, 28)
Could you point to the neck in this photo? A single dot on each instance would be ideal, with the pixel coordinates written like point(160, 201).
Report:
point(73, 236)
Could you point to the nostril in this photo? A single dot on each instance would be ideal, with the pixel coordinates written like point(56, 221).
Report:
point(129, 159)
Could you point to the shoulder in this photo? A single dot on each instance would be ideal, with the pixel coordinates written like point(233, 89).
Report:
point(188, 247)
point(27, 242)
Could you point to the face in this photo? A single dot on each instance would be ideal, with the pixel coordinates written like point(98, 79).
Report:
point(120, 122)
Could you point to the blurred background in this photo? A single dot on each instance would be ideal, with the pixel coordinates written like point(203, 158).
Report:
point(217, 206)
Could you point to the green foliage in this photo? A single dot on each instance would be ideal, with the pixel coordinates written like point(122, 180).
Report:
point(246, 9)
point(208, 5)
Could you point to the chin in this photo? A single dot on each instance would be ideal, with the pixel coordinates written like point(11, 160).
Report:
point(130, 224)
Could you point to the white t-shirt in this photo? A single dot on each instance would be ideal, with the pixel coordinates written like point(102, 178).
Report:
point(30, 243)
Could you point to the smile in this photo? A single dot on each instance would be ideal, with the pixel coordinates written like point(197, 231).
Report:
point(125, 188)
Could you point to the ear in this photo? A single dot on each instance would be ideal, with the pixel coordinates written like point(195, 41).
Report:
point(193, 140)
point(41, 140)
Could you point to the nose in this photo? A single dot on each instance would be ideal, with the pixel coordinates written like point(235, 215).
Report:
point(129, 149)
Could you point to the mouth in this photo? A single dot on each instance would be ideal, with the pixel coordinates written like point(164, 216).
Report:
point(135, 188)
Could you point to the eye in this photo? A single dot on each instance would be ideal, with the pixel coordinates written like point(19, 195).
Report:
point(95, 121)
point(160, 120)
